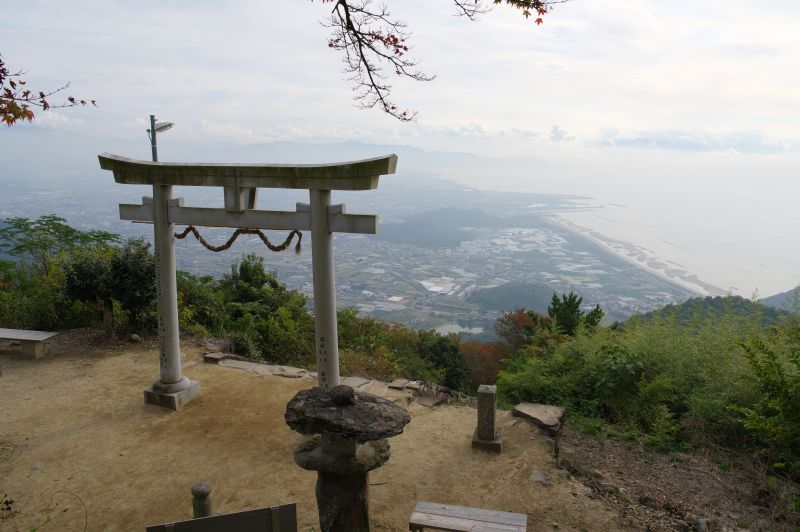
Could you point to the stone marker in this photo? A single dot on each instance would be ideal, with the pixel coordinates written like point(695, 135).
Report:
point(488, 436)
point(352, 429)
point(201, 500)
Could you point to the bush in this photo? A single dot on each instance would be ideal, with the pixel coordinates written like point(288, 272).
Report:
point(773, 421)
point(243, 344)
point(679, 382)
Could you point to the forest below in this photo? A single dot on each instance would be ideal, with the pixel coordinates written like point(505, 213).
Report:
point(720, 373)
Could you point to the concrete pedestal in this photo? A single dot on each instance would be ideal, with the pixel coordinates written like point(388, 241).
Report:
point(34, 349)
point(494, 445)
point(172, 397)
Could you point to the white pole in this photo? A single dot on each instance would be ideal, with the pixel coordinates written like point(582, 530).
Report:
point(327, 341)
point(166, 292)
point(170, 379)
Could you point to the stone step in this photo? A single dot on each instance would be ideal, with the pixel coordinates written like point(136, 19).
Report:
point(549, 418)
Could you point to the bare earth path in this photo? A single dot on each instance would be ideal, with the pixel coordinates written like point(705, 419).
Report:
point(74, 424)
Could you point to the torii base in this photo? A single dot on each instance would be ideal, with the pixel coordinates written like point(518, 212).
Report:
point(171, 400)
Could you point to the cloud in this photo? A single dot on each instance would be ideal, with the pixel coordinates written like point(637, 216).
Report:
point(557, 134)
point(55, 120)
point(741, 142)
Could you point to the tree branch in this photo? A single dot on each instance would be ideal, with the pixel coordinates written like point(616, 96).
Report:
point(372, 41)
point(16, 99)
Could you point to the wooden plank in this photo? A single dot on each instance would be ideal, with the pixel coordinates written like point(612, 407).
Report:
point(457, 524)
point(26, 336)
point(476, 514)
point(275, 519)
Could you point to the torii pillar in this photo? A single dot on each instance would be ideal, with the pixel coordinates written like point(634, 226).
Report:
point(240, 183)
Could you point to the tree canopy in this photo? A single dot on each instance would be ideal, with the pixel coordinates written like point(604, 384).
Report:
point(568, 315)
point(39, 242)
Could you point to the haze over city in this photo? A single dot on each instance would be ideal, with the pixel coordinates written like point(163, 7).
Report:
point(677, 120)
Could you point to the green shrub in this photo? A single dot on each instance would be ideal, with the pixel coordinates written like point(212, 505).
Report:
point(664, 433)
point(243, 344)
point(678, 381)
point(773, 421)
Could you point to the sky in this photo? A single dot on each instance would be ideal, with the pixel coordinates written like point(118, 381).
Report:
point(685, 106)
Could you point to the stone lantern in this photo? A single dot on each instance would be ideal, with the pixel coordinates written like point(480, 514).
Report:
point(350, 440)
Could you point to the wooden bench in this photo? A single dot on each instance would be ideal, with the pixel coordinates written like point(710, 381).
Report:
point(461, 519)
point(33, 342)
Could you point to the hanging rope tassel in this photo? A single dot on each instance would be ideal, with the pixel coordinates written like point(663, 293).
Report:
point(242, 231)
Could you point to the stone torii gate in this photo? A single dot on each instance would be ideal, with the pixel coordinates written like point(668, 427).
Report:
point(240, 183)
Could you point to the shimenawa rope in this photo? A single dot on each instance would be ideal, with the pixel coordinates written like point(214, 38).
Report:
point(243, 231)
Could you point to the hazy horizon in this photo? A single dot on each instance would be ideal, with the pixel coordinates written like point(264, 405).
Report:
point(679, 120)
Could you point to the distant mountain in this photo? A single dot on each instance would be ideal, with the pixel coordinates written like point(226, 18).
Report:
point(510, 296)
point(70, 155)
point(784, 300)
point(711, 307)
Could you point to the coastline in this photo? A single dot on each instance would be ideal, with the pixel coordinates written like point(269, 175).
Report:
point(639, 256)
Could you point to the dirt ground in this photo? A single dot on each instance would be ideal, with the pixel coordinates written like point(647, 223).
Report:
point(74, 431)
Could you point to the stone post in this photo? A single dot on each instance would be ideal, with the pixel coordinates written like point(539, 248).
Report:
point(324, 292)
point(172, 390)
point(166, 290)
point(201, 500)
point(487, 436)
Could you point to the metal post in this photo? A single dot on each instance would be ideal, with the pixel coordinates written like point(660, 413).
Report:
point(153, 137)
point(327, 340)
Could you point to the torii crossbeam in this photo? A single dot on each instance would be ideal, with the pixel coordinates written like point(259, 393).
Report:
point(240, 183)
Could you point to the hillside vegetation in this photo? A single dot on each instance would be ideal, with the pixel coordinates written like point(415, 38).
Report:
point(788, 301)
point(722, 372)
point(701, 309)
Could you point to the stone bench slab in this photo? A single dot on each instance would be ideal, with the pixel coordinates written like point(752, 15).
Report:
point(432, 400)
point(355, 382)
point(549, 418)
point(21, 335)
point(33, 342)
